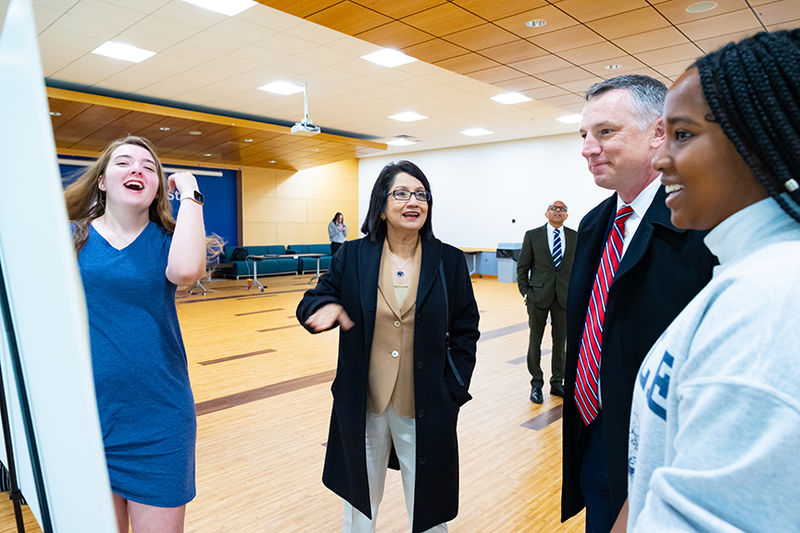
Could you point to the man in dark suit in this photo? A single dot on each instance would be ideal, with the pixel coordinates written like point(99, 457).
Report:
point(545, 262)
point(633, 273)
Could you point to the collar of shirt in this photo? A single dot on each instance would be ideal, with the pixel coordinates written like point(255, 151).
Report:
point(640, 205)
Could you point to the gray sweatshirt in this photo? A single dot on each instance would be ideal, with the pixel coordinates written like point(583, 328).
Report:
point(714, 440)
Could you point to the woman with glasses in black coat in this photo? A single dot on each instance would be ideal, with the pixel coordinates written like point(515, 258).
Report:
point(409, 327)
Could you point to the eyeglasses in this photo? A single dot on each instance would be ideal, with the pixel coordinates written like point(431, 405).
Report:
point(404, 196)
point(561, 208)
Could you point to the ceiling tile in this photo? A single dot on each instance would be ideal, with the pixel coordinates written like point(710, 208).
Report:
point(629, 23)
point(670, 54)
point(675, 10)
point(730, 22)
point(790, 25)
point(628, 64)
point(497, 10)
point(779, 12)
point(676, 68)
point(395, 9)
point(567, 39)
point(515, 51)
point(479, 37)
point(395, 35)
point(522, 84)
point(299, 8)
point(588, 10)
point(540, 64)
point(580, 86)
point(593, 52)
point(651, 40)
point(548, 91)
point(445, 18)
point(556, 20)
point(494, 74)
point(466, 63)
point(709, 45)
point(350, 18)
point(564, 75)
point(434, 50)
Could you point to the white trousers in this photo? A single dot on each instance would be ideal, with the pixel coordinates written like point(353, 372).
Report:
point(382, 430)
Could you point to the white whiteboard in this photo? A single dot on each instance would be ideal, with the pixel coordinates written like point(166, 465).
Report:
point(46, 298)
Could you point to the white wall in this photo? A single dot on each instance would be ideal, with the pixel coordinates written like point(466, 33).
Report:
point(479, 189)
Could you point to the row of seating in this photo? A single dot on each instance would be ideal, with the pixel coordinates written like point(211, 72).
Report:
point(241, 267)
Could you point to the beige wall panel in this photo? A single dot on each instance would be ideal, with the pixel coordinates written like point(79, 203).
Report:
point(259, 234)
point(335, 181)
point(265, 209)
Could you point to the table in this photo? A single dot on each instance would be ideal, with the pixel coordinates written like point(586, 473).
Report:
point(474, 253)
point(256, 258)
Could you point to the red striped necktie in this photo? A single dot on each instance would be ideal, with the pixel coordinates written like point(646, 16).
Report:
point(588, 379)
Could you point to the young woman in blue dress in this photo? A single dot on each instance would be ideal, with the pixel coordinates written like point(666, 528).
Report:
point(132, 255)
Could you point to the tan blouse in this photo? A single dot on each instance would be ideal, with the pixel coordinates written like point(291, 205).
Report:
point(391, 361)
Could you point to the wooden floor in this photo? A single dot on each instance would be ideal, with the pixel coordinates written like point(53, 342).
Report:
point(261, 384)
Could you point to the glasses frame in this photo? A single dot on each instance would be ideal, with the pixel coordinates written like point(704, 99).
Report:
point(559, 208)
point(426, 196)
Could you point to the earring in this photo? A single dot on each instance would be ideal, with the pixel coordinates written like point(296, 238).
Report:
point(383, 216)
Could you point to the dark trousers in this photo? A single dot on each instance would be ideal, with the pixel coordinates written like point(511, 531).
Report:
point(600, 515)
point(335, 246)
point(537, 319)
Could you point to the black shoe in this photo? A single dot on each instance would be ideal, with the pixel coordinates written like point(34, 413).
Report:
point(536, 395)
point(557, 389)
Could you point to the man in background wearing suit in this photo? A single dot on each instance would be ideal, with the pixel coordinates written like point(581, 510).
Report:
point(633, 273)
point(546, 255)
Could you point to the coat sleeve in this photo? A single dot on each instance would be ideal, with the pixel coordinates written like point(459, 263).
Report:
point(332, 231)
point(327, 291)
point(525, 263)
point(463, 332)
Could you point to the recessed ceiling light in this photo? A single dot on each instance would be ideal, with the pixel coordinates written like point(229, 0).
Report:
point(281, 87)
point(316, 149)
point(273, 161)
point(387, 57)
point(55, 114)
point(164, 128)
point(536, 23)
point(572, 118)
point(123, 51)
point(195, 132)
point(700, 7)
point(476, 132)
point(248, 140)
point(226, 7)
point(615, 66)
point(407, 116)
point(511, 98)
point(207, 155)
point(401, 141)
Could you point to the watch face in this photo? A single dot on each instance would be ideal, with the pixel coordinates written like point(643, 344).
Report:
point(198, 196)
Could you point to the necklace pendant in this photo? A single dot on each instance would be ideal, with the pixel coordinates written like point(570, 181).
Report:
point(400, 274)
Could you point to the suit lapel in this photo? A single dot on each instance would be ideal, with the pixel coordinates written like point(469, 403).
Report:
point(369, 260)
point(385, 284)
point(429, 269)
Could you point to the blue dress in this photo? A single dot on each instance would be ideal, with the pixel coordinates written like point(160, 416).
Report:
point(144, 399)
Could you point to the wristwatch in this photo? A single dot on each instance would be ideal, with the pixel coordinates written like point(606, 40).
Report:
point(196, 196)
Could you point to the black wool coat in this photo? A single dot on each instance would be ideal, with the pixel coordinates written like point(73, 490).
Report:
point(662, 270)
point(440, 388)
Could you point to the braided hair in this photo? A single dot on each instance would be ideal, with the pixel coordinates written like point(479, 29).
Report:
point(753, 90)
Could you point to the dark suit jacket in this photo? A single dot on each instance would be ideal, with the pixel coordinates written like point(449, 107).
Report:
point(439, 388)
point(546, 281)
point(661, 271)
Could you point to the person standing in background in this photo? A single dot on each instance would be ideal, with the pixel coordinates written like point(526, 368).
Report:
point(633, 273)
point(337, 231)
point(545, 263)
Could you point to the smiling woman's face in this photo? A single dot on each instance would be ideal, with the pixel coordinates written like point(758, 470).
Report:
point(705, 177)
point(408, 216)
point(131, 177)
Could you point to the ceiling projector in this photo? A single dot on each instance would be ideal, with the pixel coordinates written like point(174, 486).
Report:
point(305, 126)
